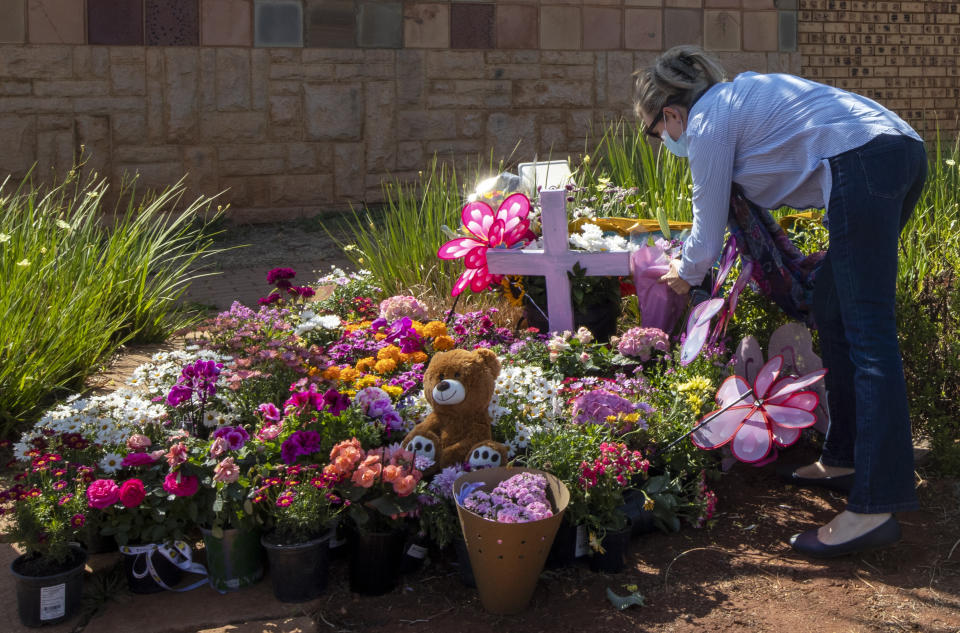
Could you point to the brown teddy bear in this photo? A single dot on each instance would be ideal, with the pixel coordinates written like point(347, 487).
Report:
point(458, 385)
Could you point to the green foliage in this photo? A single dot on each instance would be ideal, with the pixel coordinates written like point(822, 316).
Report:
point(398, 245)
point(624, 157)
point(77, 284)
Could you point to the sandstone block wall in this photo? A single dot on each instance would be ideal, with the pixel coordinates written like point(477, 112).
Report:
point(364, 91)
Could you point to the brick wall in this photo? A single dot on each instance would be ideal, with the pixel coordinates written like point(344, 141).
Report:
point(365, 90)
point(903, 54)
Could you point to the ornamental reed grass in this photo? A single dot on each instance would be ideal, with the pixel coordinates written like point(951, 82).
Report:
point(78, 283)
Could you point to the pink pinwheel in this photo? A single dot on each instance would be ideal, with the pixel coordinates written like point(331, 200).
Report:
point(698, 323)
point(486, 229)
point(773, 412)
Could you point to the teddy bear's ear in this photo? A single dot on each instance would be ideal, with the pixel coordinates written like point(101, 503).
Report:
point(489, 358)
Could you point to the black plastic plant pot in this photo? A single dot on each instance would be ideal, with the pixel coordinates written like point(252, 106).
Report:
point(139, 576)
point(375, 559)
point(298, 572)
point(464, 568)
point(51, 598)
point(613, 559)
point(563, 552)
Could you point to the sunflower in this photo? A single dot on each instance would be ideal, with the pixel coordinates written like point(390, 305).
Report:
point(513, 289)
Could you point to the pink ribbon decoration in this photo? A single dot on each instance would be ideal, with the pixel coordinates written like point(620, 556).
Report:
point(660, 307)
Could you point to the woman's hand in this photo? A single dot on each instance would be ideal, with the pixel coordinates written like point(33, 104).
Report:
point(673, 279)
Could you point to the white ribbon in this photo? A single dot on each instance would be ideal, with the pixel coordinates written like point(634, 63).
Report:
point(179, 554)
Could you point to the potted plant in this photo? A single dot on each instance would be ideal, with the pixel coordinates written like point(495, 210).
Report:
point(509, 517)
point(47, 509)
point(300, 508)
point(439, 520)
point(379, 484)
point(603, 481)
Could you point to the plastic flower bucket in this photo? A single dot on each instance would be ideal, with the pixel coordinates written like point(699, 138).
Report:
point(507, 558)
point(234, 560)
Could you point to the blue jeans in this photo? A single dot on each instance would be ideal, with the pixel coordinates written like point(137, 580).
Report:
point(875, 188)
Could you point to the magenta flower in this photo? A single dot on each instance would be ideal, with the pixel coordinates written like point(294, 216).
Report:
point(181, 485)
point(278, 274)
point(77, 521)
point(234, 436)
point(486, 229)
point(269, 411)
point(137, 459)
point(102, 493)
point(774, 411)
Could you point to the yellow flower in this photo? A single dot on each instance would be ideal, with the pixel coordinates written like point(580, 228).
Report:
point(349, 374)
point(648, 504)
point(379, 336)
point(364, 364)
point(434, 329)
point(393, 391)
point(314, 372)
point(390, 352)
point(513, 290)
point(367, 381)
point(417, 327)
point(443, 343)
point(385, 366)
point(419, 357)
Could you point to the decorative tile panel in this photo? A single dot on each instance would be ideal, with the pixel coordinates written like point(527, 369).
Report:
point(682, 26)
point(472, 25)
point(115, 22)
point(516, 26)
point(426, 25)
point(380, 25)
point(560, 28)
point(56, 22)
point(601, 28)
point(643, 29)
point(173, 22)
point(226, 22)
point(278, 23)
point(13, 25)
point(331, 24)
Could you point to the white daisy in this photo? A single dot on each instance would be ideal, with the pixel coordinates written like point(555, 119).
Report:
point(111, 462)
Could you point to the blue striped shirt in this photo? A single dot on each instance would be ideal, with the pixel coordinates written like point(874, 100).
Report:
point(771, 134)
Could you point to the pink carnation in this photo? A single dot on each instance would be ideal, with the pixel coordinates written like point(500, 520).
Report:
point(137, 459)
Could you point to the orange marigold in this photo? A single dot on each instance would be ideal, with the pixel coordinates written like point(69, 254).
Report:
point(349, 374)
point(331, 373)
point(391, 352)
point(443, 343)
point(364, 364)
point(385, 366)
point(417, 327)
point(379, 336)
point(418, 357)
point(434, 329)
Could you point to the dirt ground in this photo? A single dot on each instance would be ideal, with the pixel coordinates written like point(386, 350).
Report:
point(738, 576)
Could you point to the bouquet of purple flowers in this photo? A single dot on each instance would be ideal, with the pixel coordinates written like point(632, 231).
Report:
point(519, 499)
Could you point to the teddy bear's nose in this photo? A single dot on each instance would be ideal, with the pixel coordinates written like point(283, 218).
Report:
point(443, 385)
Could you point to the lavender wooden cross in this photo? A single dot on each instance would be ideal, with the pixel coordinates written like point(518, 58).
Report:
point(554, 260)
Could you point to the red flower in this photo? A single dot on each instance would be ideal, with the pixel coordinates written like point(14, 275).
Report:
point(132, 493)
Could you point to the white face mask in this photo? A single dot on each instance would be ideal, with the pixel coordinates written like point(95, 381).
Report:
point(676, 147)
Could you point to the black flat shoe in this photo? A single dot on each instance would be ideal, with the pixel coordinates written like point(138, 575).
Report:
point(887, 533)
point(840, 483)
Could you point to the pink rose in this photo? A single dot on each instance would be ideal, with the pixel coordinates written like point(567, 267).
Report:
point(177, 454)
point(138, 443)
point(138, 459)
point(102, 493)
point(226, 471)
point(132, 493)
point(218, 447)
point(181, 485)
